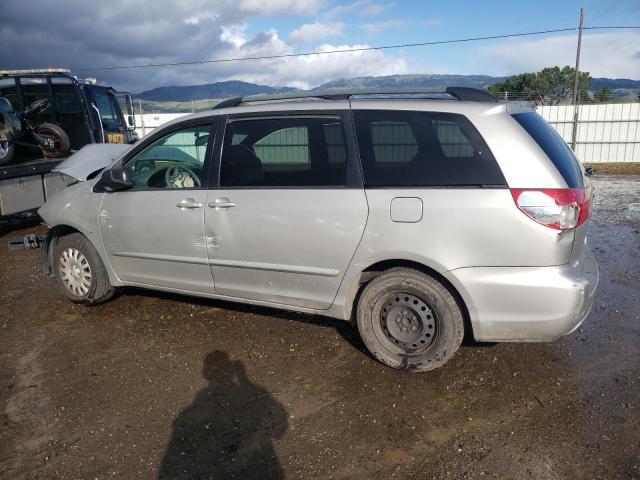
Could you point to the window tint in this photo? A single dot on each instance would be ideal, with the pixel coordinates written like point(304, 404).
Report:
point(400, 148)
point(393, 141)
point(453, 142)
point(34, 92)
point(284, 152)
point(554, 146)
point(173, 161)
point(288, 146)
point(66, 99)
point(109, 108)
point(334, 137)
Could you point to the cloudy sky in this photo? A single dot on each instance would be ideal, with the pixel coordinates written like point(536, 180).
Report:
point(85, 34)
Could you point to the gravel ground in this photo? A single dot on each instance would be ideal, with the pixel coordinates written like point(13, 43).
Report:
point(151, 385)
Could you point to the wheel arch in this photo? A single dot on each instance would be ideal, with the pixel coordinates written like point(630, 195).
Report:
point(370, 272)
point(49, 247)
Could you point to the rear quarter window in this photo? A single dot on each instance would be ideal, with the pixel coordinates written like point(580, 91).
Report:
point(430, 149)
point(553, 146)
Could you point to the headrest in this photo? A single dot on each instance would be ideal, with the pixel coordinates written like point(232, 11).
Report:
point(241, 167)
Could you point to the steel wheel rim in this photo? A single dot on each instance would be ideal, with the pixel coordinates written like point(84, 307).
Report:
point(75, 272)
point(406, 321)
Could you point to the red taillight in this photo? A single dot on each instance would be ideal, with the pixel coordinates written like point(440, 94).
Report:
point(558, 208)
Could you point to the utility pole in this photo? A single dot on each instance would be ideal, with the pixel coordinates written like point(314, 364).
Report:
point(144, 130)
point(576, 79)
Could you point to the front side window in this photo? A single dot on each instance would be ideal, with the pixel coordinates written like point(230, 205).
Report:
point(284, 152)
point(175, 161)
point(108, 107)
point(404, 148)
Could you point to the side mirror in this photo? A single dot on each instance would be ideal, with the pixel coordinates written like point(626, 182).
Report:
point(202, 141)
point(115, 179)
point(131, 122)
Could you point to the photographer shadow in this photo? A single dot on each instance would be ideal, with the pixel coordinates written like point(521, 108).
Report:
point(228, 430)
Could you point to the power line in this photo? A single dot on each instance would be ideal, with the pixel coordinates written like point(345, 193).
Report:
point(348, 50)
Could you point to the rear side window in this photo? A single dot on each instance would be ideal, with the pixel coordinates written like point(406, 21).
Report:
point(400, 148)
point(554, 146)
point(284, 152)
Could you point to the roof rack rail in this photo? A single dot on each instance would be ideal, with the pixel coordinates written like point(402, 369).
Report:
point(459, 93)
point(471, 94)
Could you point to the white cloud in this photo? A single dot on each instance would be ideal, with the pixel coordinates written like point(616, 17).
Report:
point(362, 8)
point(271, 7)
point(603, 55)
point(312, 32)
point(304, 72)
point(234, 35)
point(197, 18)
point(148, 31)
point(431, 23)
point(372, 10)
point(380, 26)
point(313, 70)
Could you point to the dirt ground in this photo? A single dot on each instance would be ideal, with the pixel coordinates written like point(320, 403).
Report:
point(151, 385)
point(615, 168)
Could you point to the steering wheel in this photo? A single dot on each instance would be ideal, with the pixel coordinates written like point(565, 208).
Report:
point(142, 167)
point(181, 177)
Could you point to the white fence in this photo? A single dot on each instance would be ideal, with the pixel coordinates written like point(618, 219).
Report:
point(607, 132)
point(146, 122)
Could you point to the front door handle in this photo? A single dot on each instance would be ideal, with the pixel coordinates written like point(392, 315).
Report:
point(222, 202)
point(189, 203)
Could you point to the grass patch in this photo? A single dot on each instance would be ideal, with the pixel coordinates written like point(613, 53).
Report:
point(615, 168)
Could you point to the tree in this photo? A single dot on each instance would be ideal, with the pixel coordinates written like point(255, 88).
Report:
point(551, 85)
point(603, 95)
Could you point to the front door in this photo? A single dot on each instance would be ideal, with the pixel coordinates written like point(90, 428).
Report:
point(154, 232)
point(286, 219)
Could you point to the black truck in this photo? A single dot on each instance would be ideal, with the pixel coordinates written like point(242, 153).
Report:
point(45, 116)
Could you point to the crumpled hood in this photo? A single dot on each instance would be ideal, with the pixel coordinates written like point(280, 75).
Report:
point(91, 158)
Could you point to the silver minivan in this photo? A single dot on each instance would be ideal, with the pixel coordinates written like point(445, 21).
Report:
point(417, 216)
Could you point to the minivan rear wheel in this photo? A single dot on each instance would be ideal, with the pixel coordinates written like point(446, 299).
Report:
point(409, 320)
point(80, 274)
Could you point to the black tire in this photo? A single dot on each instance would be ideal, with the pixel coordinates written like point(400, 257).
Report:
point(73, 258)
point(7, 149)
point(62, 145)
point(409, 320)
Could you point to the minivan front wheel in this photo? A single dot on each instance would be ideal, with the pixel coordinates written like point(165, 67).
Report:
point(409, 320)
point(79, 272)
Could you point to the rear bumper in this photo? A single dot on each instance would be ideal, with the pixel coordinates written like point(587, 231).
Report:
point(527, 304)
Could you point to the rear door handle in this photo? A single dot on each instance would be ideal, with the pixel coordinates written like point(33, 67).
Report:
point(222, 202)
point(189, 203)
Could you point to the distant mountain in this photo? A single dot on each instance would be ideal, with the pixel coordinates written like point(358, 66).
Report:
point(614, 83)
point(413, 81)
point(236, 88)
point(232, 88)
